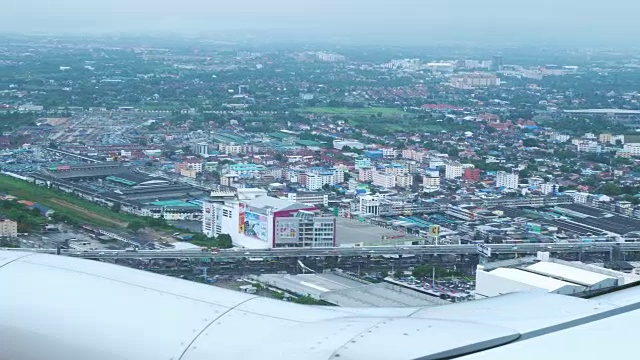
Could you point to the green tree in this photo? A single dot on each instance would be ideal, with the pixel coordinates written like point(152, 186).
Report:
point(136, 225)
point(421, 271)
point(157, 223)
point(224, 241)
point(611, 189)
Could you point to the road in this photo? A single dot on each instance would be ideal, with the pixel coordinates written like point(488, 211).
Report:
point(351, 251)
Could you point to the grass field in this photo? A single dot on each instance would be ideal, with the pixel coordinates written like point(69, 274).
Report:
point(395, 125)
point(81, 210)
point(354, 111)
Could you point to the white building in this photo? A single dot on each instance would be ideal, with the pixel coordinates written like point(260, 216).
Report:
point(384, 180)
point(8, 228)
point(389, 153)
point(576, 273)
point(453, 171)
point(229, 180)
point(432, 172)
point(370, 205)
point(275, 172)
point(546, 275)
point(366, 174)
point(435, 162)
point(413, 155)
point(474, 80)
point(397, 170)
point(233, 149)
point(559, 137)
point(588, 146)
point(507, 180)
point(338, 176)
point(362, 163)
point(267, 222)
point(549, 188)
point(431, 181)
point(508, 280)
point(615, 138)
point(340, 144)
point(404, 181)
point(310, 198)
point(315, 181)
point(578, 197)
point(202, 149)
point(633, 148)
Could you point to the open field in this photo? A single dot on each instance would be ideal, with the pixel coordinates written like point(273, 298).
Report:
point(97, 217)
point(76, 208)
point(354, 111)
point(393, 125)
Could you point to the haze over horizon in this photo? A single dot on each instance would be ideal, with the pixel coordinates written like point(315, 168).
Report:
point(402, 21)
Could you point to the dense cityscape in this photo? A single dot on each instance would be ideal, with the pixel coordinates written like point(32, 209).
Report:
point(322, 174)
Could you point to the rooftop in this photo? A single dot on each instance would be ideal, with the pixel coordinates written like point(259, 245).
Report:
point(174, 203)
point(264, 202)
point(572, 274)
point(532, 279)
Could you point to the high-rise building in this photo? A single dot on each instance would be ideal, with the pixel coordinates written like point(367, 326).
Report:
point(404, 181)
point(315, 181)
point(202, 149)
point(8, 228)
point(507, 180)
point(431, 182)
point(312, 198)
point(549, 188)
point(496, 63)
point(384, 180)
point(474, 80)
point(370, 204)
point(471, 174)
point(338, 175)
point(267, 222)
point(453, 171)
point(362, 163)
point(366, 174)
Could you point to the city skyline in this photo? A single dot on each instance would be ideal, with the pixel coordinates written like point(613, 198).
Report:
point(407, 21)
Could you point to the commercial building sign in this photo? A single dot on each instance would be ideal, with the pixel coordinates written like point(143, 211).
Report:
point(255, 225)
point(434, 230)
point(287, 230)
point(484, 250)
point(241, 208)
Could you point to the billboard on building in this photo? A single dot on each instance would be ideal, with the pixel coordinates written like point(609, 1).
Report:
point(286, 230)
point(255, 225)
point(241, 208)
point(434, 230)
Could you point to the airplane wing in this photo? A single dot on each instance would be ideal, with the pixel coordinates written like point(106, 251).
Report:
point(59, 307)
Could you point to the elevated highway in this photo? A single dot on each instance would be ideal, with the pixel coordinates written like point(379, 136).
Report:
point(348, 251)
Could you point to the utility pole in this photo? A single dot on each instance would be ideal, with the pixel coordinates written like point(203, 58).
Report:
point(433, 277)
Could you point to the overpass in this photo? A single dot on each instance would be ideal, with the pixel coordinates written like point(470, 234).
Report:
point(236, 253)
point(66, 153)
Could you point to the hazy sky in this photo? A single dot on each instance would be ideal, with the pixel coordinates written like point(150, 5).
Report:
point(512, 20)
